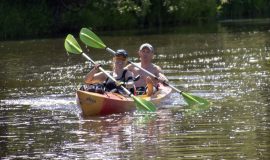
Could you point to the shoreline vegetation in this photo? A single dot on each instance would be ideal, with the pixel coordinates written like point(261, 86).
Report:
point(26, 19)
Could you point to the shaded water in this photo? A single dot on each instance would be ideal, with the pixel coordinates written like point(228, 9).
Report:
point(39, 117)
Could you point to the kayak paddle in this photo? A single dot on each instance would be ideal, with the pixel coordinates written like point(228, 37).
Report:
point(72, 46)
point(91, 39)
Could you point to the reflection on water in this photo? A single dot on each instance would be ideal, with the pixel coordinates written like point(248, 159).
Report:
point(39, 118)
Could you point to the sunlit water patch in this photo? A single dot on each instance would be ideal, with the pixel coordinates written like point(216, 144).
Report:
point(228, 72)
point(52, 102)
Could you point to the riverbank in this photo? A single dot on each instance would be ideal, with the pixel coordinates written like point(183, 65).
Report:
point(49, 19)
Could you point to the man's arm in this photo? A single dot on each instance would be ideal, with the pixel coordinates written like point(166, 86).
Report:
point(160, 75)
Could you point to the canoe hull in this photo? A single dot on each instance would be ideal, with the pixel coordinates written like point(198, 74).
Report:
point(93, 104)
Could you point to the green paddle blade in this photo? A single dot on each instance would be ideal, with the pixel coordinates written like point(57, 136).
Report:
point(71, 45)
point(91, 39)
point(194, 100)
point(142, 104)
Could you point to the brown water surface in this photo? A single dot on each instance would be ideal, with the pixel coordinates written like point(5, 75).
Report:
point(39, 118)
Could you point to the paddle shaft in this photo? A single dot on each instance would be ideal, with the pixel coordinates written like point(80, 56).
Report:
point(146, 71)
point(107, 74)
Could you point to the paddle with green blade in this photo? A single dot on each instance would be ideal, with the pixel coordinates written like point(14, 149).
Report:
point(72, 46)
point(91, 39)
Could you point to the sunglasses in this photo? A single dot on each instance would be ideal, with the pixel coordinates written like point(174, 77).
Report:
point(119, 62)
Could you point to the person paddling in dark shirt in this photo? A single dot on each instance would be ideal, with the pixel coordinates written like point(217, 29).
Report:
point(123, 76)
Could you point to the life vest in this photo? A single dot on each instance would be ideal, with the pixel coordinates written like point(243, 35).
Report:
point(110, 85)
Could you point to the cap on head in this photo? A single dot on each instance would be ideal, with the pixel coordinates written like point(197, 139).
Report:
point(147, 45)
point(121, 52)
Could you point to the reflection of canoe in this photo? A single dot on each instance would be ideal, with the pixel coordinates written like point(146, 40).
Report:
point(110, 103)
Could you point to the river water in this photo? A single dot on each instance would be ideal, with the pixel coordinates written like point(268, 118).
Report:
point(39, 118)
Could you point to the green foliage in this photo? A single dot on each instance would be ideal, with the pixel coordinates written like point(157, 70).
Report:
point(236, 9)
point(19, 18)
point(42, 18)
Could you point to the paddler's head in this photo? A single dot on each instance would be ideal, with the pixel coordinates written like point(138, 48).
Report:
point(120, 58)
point(146, 53)
point(147, 46)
